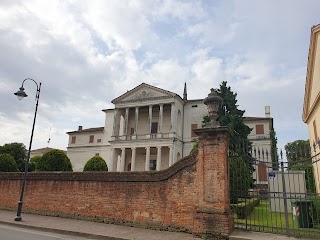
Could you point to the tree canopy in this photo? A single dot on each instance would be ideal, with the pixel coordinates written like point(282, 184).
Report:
point(33, 163)
point(18, 151)
point(54, 160)
point(7, 163)
point(297, 151)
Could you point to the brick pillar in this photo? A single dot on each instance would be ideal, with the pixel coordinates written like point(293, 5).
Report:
point(213, 216)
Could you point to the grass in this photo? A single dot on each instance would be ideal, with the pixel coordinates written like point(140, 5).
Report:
point(262, 220)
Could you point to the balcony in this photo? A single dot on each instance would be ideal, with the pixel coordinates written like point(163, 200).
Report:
point(259, 137)
point(144, 136)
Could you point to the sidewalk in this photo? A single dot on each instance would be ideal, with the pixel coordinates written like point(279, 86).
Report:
point(113, 232)
point(89, 229)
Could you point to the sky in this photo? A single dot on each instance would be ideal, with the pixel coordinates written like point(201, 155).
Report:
point(86, 53)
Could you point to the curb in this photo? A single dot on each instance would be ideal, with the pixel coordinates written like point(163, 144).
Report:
point(60, 231)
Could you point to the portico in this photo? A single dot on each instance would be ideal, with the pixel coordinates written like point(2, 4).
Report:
point(149, 158)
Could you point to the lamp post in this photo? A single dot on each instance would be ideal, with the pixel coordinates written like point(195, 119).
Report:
point(21, 94)
point(213, 102)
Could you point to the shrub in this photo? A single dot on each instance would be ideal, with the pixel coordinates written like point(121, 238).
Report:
point(96, 163)
point(240, 178)
point(195, 147)
point(55, 160)
point(243, 209)
point(33, 163)
point(7, 163)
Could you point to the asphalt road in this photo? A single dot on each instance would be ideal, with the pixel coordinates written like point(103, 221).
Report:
point(16, 233)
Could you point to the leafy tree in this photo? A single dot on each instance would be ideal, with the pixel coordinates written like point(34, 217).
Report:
point(33, 163)
point(54, 160)
point(297, 151)
point(7, 163)
point(95, 163)
point(299, 159)
point(18, 151)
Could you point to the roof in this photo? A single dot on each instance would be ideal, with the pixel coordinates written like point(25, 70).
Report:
point(141, 86)
point(42, 150)
point(97, 129)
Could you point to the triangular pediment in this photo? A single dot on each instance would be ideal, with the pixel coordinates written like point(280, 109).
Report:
point(312, 87)
point(143, 92)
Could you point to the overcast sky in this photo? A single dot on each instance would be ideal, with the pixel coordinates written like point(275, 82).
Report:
point(86, 53)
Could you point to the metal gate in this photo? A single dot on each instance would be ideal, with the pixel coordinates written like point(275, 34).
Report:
point(275, 196)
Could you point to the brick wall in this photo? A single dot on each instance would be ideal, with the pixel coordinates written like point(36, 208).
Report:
point(192, 195)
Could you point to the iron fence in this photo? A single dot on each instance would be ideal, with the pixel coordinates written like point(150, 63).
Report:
point(274, 194)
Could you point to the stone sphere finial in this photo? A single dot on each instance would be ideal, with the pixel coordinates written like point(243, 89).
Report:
point(213, 102)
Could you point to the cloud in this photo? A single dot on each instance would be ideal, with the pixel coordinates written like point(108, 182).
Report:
point(86, 53)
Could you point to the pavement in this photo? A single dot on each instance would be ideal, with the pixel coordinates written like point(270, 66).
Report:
point(94, 230)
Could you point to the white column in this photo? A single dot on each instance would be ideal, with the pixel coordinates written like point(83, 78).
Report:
point(125, 124)
point(136, 121)
point(112, 160)
point(133, 158)
point(123, 159)
point(161, 118)
point(170, 155)
point(115, 130)
point(147, 166)
point(150, 118)
point(173, 128)
point(158, 158)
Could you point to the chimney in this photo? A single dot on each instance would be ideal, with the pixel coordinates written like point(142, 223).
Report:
point(267, 111)
point(79, 128)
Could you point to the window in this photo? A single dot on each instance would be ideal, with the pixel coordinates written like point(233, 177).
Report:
point(262, 172)
point(91, 138)
point(131, 131)
point(315, 131)
point(194, 106)
point(259, 129)
point(99, 140)
point(154, 127)
point(97, 154)
point(193, 126)
point(129, 167)
point(73, 140)
point(153, 165)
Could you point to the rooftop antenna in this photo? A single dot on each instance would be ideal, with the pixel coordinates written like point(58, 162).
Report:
point(49, 138)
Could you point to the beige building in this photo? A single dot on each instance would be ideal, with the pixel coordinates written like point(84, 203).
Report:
point(311, 107)
point(149, 129)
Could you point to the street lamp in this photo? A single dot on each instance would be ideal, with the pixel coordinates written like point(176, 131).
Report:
point(21, 94)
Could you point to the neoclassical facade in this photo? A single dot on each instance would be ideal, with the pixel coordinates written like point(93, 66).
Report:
point(149, 128)
point(311, 106)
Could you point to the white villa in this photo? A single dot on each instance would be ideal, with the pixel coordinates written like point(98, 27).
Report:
point(149, 129)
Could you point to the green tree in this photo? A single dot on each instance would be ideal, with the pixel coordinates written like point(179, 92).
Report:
point(18, 151)
point(95, 163)
point(229, 115)
point(274, 150)
point(7, 163)
point(299, 159)
point(54, 160)
point(33, 163)
point(297, 151)
point(240, 178)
